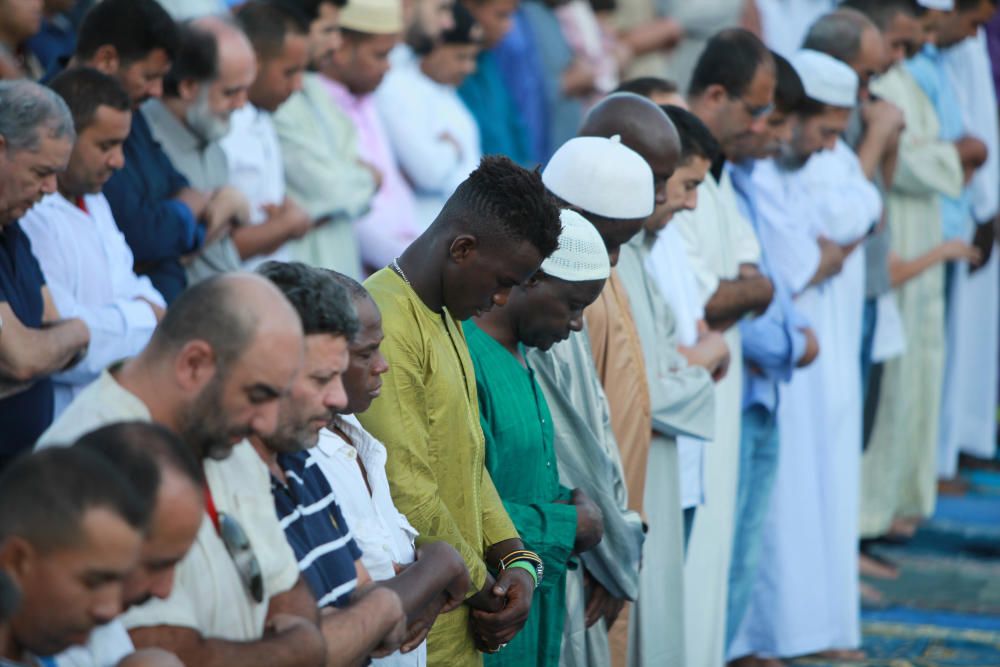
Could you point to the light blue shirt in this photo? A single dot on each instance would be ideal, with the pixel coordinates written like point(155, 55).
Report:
point(929, 69)
point(773, 343)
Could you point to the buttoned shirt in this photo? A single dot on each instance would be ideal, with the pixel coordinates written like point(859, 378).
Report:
point(89, 270)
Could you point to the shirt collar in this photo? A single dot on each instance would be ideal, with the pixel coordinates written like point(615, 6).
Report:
point(344, 97)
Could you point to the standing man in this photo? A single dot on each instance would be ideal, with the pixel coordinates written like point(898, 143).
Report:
point(208, 81)
point(492, 235)
point(86, 261)
point(552, 519)
point(731, 92)
point(280, 41)
point(34, 342)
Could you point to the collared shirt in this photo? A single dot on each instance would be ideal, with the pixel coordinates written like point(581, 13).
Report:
point(107, 645)
point(204, 165)
point(382, 533)
point(434, 165)
point(102, 402)
point(521, 459)
point(391, 224)
point(88, 266)
point(773, 343)
point(25, 415)
point(316, 529)
point(428, 419)
point(253, 155)
point(621, 366)
point(158, 228)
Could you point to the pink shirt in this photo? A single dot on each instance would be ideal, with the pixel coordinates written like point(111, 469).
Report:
point(391, 223)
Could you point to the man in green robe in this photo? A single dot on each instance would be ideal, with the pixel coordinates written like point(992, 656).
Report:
point(552, 520)
point(491, 236)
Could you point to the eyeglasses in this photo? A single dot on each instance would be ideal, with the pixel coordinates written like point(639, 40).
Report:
point(241, 551)
point(757, 112)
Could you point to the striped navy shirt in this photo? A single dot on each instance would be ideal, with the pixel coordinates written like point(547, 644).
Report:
point(316, 529)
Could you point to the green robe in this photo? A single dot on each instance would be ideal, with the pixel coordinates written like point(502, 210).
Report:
point(521, 458)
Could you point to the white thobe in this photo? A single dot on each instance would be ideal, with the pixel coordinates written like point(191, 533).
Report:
point(668, 264)
point(718, 240)
point(805, 598)
point(256, 169)
point(383, 534)
point(968, 409)
point(88, 268)
point(436, 139)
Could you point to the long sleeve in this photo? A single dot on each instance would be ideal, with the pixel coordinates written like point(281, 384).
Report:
point(773, 341)
point(429, 161)
point(156, 226)
point(848, 203)
point(319, 155)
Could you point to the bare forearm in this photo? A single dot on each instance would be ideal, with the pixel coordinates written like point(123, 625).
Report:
point(288, 649)
point(871, 151)
point(902, 271)
point(195, 200)
point(34, 353)
point(421, 583)
point(735, 298)
point(353, 633)
point(253, 240)
point(660, 34)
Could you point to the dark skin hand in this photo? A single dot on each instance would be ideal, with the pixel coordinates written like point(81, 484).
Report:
point(983, 240)
point(600, 603)
point(505, 601)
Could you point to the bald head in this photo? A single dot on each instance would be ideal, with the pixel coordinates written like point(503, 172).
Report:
point(643, 127)
point(228, 312)
point(853, 38)
point(211, 76)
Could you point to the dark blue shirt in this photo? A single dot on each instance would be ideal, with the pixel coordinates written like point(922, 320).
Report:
point(158, 229)
point(24, 416)
point(54, 44)
point(316, 529)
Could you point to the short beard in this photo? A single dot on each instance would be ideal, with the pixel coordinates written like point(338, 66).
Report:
point(209, 127)
point(204, 426)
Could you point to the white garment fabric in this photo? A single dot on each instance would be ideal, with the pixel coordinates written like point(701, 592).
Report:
point(107, 645)
point(208, 595)
point(256, 169)
point(382, 533)
point(805, 598)
point(786, 22)
point(88, 268)
point(718, 240)
point(417, 113)
point(969, 399)
point(182, 10)
point(669, 266)
point(103, 402)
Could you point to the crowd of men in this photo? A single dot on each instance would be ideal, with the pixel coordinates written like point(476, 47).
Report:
point(669, 312)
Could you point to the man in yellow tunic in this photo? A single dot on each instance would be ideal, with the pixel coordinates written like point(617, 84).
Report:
point(492, 235)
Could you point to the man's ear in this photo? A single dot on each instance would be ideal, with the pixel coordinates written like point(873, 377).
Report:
point(17, 558)
point(106, 60)
point(716, 94)
point(463, 248)
point(188, 89)
point(195, 366)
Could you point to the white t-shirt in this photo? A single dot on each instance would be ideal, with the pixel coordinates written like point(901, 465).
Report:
point(107, 646)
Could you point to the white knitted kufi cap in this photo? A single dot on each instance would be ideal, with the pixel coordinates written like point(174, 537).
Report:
point(602, 176)
point(826, 79)
point(943, 5)
point(581, 254)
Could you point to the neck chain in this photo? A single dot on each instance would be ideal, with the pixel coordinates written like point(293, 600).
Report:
point(398, 269)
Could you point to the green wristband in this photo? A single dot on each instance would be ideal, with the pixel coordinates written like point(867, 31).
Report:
point(527, 567)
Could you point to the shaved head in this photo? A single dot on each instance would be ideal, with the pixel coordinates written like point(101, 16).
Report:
point(644, 127)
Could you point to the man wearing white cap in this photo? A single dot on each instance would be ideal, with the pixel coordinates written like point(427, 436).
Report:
point(553, 520)
point(614, 187)
point(371, 30)
point(805, 599)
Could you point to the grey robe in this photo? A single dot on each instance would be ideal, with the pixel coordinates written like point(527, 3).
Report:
point(683, 402)
point(588, 459)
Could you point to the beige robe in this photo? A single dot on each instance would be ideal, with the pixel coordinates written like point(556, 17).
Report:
point(899, 467)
